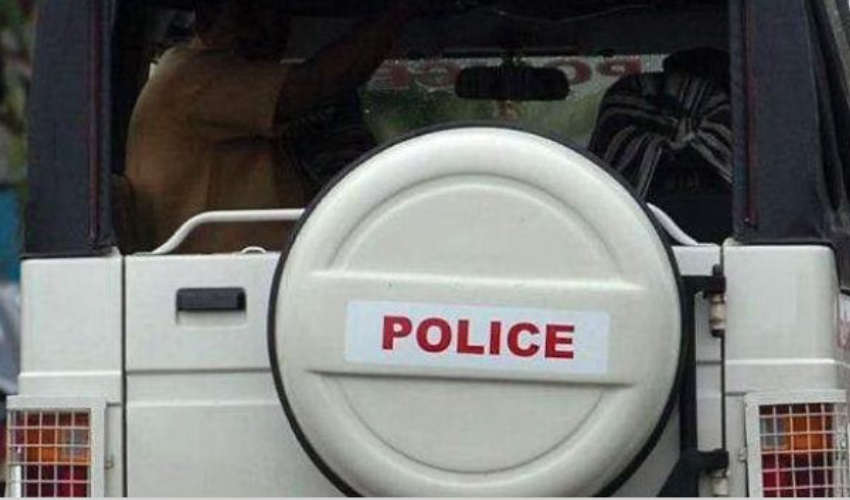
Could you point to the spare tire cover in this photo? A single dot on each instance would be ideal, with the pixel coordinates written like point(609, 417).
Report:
point(476, 311)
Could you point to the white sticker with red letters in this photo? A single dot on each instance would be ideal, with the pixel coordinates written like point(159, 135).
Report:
point(498, 338)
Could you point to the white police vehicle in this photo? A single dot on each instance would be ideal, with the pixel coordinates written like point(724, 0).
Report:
point(467, 310)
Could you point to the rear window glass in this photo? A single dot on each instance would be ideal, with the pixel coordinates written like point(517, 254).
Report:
point(405, 95)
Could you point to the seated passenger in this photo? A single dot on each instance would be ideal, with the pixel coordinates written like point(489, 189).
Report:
point(207, 131)
point(669, 134)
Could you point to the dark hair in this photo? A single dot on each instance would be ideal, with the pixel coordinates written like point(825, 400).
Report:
point(207, 13)
point(704, 62)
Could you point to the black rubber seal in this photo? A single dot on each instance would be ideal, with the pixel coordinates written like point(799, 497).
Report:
point(686, 316)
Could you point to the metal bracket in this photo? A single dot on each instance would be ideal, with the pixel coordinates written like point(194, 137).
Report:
point(708, 285)
point(683, 480)
point(713, 288)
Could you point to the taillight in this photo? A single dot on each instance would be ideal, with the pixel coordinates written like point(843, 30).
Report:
point(801, 449)
point(49, 453)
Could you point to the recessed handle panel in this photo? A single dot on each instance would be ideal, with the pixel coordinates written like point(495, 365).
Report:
point(210, 299)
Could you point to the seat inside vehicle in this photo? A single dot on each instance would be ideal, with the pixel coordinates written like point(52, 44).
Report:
point(595, 44)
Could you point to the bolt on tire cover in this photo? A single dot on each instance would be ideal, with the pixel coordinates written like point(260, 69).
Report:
point(476, 311)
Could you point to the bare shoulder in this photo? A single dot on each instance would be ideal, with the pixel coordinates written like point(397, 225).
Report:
point(176, 76)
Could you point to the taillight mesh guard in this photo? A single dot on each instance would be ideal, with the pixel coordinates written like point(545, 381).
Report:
point(49, 453)
point(801, 446)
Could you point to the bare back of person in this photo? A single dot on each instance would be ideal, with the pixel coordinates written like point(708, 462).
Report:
point(207, 131)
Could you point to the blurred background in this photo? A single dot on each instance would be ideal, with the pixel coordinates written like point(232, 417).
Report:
point(16, 37)
point(17, 20)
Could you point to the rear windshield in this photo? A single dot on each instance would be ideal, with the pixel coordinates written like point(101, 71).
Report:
point(405, 95)
point(642, 86)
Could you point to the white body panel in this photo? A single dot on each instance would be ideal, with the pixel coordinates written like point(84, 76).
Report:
point(771, 348)
point(203, 417)
point(782, 331)
point(71, 342)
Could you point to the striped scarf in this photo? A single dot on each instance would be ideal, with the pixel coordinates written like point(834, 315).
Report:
point(664, 120)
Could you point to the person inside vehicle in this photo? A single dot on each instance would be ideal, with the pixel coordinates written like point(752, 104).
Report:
point(214, 127)
point(670, 135)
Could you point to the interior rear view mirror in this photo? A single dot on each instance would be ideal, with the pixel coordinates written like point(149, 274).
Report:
point(512, 82)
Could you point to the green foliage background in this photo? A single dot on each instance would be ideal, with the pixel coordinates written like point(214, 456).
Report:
point(17, 18)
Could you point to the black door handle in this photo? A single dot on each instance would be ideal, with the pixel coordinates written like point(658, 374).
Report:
point(210, 299)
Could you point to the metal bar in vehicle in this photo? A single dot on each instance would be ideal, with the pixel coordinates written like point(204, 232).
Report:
point(293, 214)
point(677, 233)
point(218, 217)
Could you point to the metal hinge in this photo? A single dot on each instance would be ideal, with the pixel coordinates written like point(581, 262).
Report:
point(716, 295)
point(713, 289)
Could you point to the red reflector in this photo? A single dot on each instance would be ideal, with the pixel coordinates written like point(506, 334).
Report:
point(803, 450)
point(49, 453)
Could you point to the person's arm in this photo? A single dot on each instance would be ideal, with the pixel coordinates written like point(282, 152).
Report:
point(342, 66)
